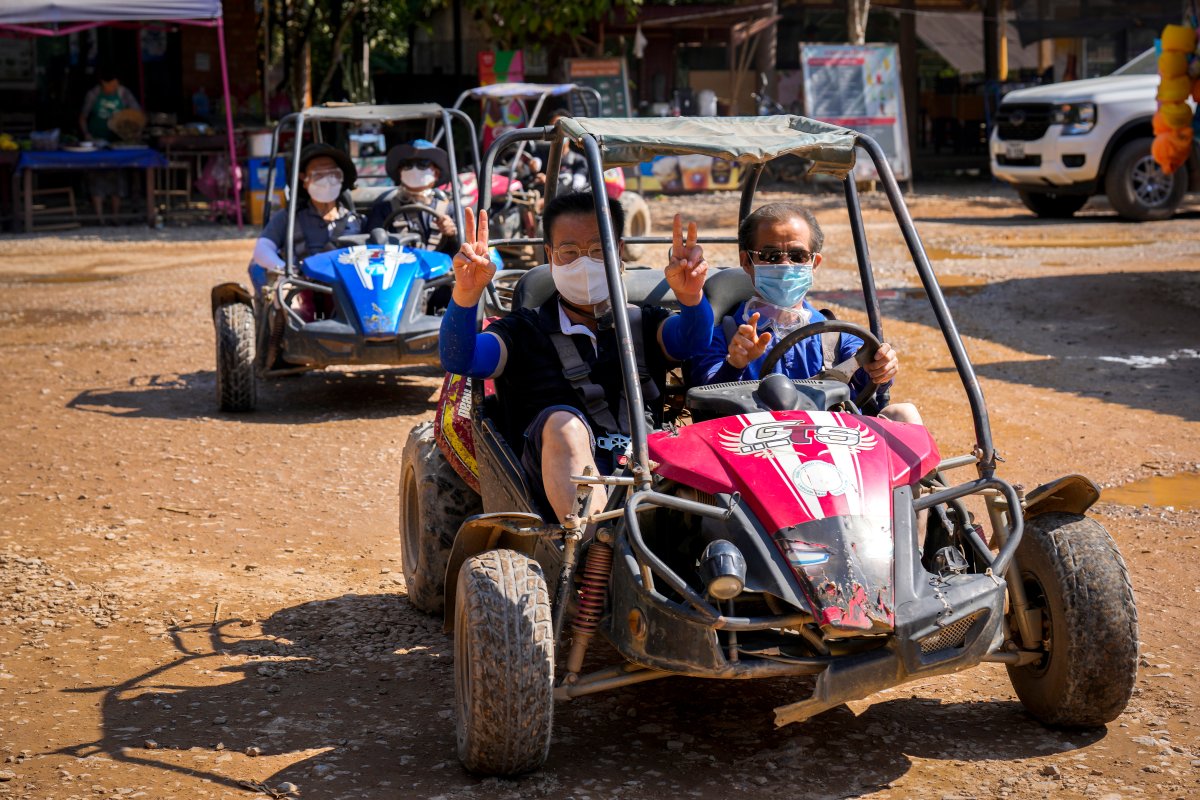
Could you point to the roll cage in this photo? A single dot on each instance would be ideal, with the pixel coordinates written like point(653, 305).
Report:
point(437, 119)
point(754, 141)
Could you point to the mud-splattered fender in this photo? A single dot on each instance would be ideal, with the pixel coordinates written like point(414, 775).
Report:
point(1072, 494)
point(226, 293)
point(481, 533)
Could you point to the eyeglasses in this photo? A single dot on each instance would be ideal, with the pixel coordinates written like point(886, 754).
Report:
point(419, 164)
point(567, 253)
point(326, 173)
point(796, 255)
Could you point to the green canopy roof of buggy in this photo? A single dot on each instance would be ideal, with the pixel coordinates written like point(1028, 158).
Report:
point(746, 140)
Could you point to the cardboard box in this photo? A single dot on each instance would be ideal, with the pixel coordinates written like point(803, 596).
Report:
point(255, 199)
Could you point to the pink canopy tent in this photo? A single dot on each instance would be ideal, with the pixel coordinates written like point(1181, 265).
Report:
point(62, 17)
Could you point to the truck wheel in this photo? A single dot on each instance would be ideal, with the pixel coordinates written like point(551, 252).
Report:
point(503, 664)
point(1053, 206)
point(1138, 188)
point(236, 390)
point(637, 222)
point(434, 501)
point(1075, 576)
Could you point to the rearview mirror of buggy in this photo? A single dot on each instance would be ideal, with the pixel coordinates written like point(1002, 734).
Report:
point(723, 570)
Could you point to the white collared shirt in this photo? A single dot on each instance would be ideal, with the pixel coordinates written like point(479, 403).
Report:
point(568, 327)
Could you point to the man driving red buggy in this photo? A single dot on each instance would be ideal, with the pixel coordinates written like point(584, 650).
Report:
point(780, 249)
point(559, 423)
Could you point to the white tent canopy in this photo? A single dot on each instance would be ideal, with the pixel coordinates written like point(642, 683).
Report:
point(28, 12)
point(62, 17)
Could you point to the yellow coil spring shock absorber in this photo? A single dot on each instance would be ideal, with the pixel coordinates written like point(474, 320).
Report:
point(594, 588)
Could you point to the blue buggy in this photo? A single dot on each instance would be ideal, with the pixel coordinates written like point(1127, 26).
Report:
point(375, 298)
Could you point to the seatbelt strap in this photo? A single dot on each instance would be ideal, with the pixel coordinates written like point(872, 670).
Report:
point(577, 372)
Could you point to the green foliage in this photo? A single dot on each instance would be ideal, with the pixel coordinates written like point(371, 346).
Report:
point(327, 28)
point(520, 23)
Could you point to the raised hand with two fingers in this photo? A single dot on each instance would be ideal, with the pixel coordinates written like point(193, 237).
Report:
point(748, 344)
point(686, 267)
point(473, 269)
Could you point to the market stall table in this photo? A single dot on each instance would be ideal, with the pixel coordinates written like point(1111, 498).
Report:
point(124, 158)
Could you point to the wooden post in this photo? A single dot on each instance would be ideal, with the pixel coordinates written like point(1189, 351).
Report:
point(910, 82)
point(991, 40)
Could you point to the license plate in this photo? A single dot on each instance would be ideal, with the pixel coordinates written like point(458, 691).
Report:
point(1014, 149)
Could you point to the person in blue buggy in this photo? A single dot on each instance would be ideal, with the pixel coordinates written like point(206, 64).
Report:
point(780, 249)
point(326, 176)
point(416, 206)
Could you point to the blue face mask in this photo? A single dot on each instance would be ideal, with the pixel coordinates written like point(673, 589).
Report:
point(784, 286)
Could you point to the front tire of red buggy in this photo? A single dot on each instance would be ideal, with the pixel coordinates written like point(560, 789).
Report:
point(1074, 574)
point(236, 388)
point(434, 501)
point(503, 664)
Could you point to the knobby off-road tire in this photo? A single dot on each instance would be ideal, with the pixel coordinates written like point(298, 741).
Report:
point(1138, 188)
point(637, 223)
point(1053, 206)
point(503, 664)
point(1073, 572)
point(434, 501)
point(236, 389)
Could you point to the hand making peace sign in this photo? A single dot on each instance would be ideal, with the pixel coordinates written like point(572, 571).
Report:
point(686, 267)
point(473, 269)
point(747, 344)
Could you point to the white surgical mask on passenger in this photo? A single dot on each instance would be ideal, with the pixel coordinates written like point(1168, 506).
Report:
point(416, 178)
point(582, 282)
point(325, 190)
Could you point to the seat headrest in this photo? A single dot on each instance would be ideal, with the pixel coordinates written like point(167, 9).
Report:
point(725, 289)
point(643, 287)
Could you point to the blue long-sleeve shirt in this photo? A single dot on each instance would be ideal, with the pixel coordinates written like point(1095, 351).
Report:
point(465, 352)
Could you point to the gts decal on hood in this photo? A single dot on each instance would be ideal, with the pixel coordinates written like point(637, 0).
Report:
point(763, 438)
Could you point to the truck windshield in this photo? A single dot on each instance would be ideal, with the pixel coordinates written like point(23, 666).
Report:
point(1145, 64)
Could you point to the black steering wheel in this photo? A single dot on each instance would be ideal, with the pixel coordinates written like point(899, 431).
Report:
point(840, 372)
point(406, 208)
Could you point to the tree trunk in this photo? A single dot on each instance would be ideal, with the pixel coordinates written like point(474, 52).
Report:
point(856, 20)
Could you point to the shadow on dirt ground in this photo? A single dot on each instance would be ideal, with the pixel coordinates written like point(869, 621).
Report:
point(322, 697)
point(1124, 338)
point(295, 399)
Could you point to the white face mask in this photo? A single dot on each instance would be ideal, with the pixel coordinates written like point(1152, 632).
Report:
point(582, 282)
point(325, 190)
point(417, 179)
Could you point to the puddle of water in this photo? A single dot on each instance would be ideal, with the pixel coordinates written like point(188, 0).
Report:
point(1081, 243)
point(945, 253)
point(1179, 491)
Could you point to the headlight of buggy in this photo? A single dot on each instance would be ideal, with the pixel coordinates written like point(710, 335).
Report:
point(723, 569)
point(1076, 118)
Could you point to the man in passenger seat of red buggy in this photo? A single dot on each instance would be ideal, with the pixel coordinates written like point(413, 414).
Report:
point(780, 249)
point(557, 421)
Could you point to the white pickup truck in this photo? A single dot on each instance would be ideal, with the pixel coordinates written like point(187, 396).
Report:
point(1060, 144)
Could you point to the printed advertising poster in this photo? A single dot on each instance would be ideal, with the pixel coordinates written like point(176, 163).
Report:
point(690, 173)
point(858, 86)
point(609, 77)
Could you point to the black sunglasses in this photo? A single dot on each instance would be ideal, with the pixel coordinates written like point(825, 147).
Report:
point(796, 255)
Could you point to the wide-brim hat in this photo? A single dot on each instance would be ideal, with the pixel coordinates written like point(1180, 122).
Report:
point(317, 149)
point(417, 150)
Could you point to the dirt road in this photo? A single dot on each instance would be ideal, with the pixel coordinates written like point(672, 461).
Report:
point(193, 602)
